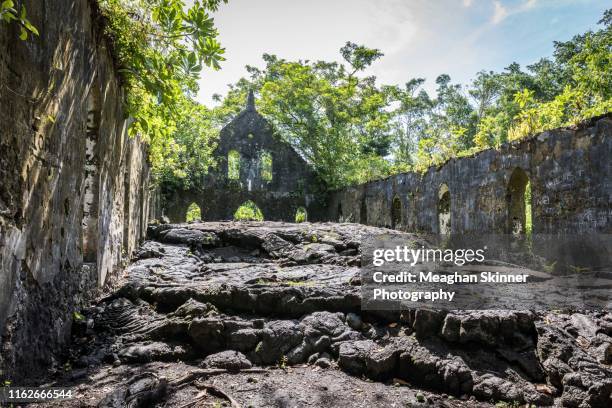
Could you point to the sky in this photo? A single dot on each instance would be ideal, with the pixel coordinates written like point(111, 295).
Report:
point(420, 38)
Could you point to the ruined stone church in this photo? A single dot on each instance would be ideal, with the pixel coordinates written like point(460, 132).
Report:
point(76, 205)
point(254, 164)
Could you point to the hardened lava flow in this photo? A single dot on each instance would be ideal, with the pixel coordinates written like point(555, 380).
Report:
point(267, 314)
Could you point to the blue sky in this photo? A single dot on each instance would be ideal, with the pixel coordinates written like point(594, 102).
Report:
point(420, 38)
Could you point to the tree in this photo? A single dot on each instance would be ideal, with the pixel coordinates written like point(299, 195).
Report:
point(161, 47)
point(411, 120)
point(334, 118)
point(485, 90)
point(352, 130)
point(183, 160)
point(581, 81)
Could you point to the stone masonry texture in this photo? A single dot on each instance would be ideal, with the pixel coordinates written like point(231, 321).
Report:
point(249, 135)
point(569, 170)
point(74, 187)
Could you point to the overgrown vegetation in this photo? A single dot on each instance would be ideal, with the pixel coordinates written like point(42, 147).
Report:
point(528, 209)
point(353, 130)
point(300, 215)
point(248, 212)
point(265, 160)
point(347, 126)
point(193, 213)
point(233, 165)
point(162, 46)
point(337, 120)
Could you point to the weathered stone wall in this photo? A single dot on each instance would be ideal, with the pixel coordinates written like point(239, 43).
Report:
point(250, 136)
point(569, 170)
point(74, 190)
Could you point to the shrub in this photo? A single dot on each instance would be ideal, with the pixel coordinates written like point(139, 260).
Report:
point(300, 215)
point(248, 211)
point(193, 213)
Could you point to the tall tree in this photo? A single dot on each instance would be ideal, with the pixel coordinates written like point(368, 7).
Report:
point(161, 47)
point(411, 120)
point(335, 118)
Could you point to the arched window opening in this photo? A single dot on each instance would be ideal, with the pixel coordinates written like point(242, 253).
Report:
point(444, 210)
point(193, 213)
point(518, 197)
point(248, 211)
point(265, 163)
point(233, 165)
point(396, 212)
point(91, 180)
point(301, 215)
point(363, 212)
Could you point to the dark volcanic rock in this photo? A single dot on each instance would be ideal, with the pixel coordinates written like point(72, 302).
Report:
point(156, 351)
point(229, 360)
point(188, 236)
point(281, 295)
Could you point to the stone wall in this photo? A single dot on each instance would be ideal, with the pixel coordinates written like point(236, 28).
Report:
point(278, 190)
point(569, 171)
point(74, 190)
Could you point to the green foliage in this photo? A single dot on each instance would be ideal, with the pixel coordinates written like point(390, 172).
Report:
point(336, 120)
point(300, 215)
point(491, 131)
point(161, 47)
point(193, 213)
point(78, 316)
point(266, 166)
point(410, 122)
point(8, 14)
point(352, 130)
point(182, 159)
point(496, 107)
point(584, 62)
point(349, 128)
point(248, 212)
point(359, 57)
point(233, 165)
point(282, 363)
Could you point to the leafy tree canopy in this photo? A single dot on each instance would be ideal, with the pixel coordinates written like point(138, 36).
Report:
point(162, 46)
point(353, 130)
point(9, 13)
point(348, 127)
point(336, 119)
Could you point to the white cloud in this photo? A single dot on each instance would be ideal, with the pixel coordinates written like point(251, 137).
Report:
point(499, 13)
point(420, 38)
